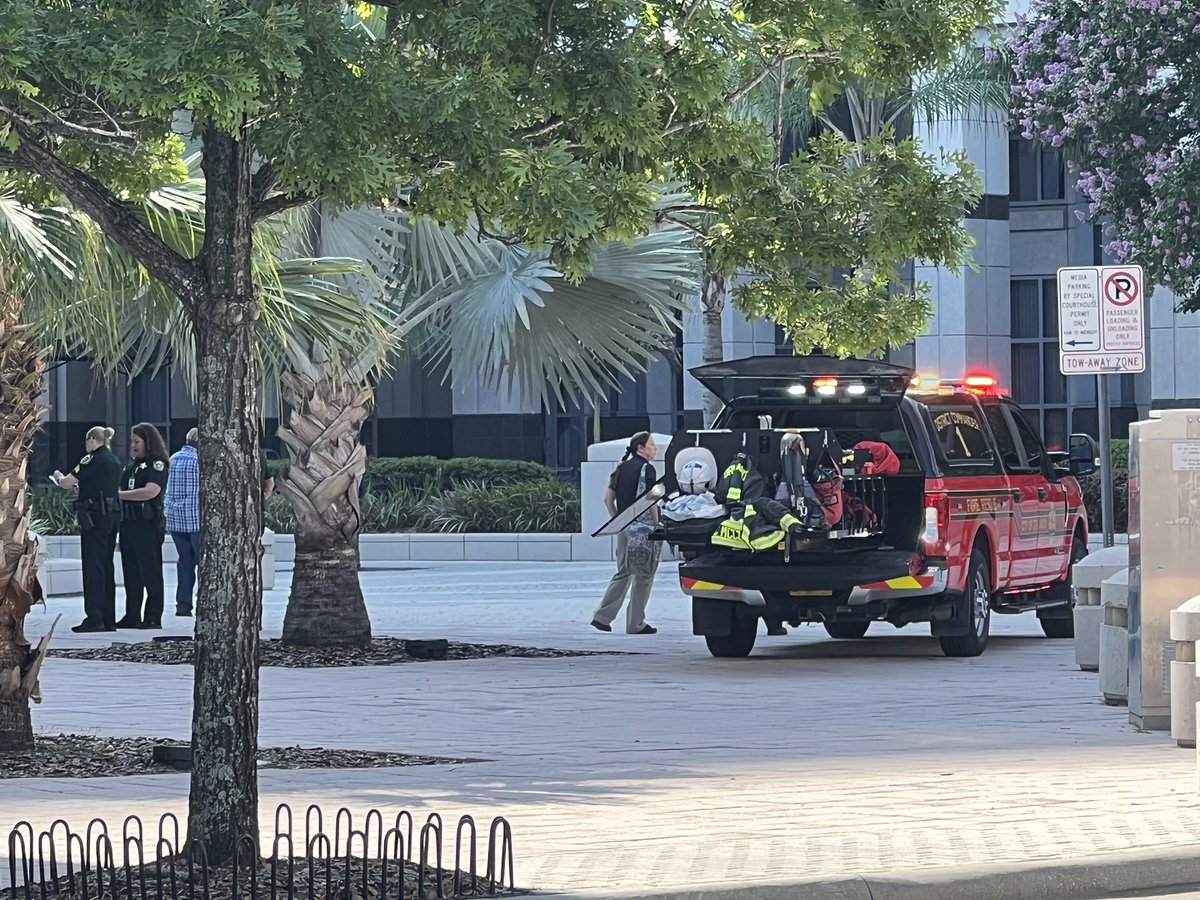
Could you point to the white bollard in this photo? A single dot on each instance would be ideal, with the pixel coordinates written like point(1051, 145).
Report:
point(1086, 577)
point(268, 559)
point(1184, 688)
point(1114, 639)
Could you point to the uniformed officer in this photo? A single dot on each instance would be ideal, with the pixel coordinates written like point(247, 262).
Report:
point(143, 527)
point(97, 476)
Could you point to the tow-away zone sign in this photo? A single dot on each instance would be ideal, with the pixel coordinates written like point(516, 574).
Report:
point(1101, 320)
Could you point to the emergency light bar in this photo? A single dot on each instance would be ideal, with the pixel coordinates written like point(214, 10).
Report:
point(980, 384)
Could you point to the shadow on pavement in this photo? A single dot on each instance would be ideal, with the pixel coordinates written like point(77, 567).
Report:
point(915, 647)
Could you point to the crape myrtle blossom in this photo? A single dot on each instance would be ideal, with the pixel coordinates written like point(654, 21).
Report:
point(1115, 84)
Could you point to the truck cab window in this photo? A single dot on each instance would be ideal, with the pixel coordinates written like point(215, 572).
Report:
point(1005, 442)
point(1030, 442)
point(960, 435)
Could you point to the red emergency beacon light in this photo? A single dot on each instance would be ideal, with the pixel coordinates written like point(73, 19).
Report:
point(981, 384)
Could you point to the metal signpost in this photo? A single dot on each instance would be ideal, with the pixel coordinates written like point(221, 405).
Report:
point(1102, 332)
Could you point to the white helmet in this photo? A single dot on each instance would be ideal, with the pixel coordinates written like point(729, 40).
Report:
point(696, 470)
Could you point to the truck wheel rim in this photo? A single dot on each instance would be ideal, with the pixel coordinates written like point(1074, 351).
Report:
point(980, 603)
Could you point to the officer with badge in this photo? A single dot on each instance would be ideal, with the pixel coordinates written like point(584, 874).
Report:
point(143, 527)
point(97, 476)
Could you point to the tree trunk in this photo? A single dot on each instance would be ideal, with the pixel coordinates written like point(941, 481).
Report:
point(326, 606)
point(224, 786)
point(20, 421)
point(713, 293)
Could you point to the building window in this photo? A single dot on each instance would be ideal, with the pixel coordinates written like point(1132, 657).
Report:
point(1035, 172)
point(1037, 384)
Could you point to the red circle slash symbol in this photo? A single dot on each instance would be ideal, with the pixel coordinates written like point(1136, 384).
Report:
point(1120, 288)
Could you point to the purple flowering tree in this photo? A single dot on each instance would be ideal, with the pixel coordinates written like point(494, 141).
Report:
point(1116, 85)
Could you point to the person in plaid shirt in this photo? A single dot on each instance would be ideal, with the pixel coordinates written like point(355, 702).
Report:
point(183, 518)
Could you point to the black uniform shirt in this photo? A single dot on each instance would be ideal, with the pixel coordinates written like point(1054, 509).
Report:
point(99, 475)
point(634, 476)
point(141, 472)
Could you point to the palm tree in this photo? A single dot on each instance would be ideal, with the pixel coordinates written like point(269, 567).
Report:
point(974, 83)
point(64, 286)
point(483, 309)
point(40, 251)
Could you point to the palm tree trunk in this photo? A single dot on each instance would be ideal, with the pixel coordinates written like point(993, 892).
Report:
point(712, 304)
point(326, 606)
point(20, 420)
point(224, 785)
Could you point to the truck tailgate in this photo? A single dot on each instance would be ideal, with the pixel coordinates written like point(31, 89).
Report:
point(842, 572)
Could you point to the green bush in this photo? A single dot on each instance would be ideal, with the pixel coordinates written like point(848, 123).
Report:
point(422, 493)
point(540, 507)
point(429, 474)
point(1119, 454)
point(401, 510)
point(1091, 500)
point(52, 507)
point(278, 514)
point(277, 467)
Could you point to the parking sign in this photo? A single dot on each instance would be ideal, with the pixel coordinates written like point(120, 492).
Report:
point(1101, 320)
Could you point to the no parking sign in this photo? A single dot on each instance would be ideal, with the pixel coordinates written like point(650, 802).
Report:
point(1101, 316)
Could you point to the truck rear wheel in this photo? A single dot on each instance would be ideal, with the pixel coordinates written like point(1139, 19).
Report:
point(738, 643)
point(978, 605)
point(847, 631)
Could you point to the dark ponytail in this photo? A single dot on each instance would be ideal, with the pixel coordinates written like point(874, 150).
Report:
point(636, 443)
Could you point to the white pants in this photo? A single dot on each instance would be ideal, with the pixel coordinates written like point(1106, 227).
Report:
point(614, 596)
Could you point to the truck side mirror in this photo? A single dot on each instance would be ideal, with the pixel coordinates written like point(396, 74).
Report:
point(1084, 458)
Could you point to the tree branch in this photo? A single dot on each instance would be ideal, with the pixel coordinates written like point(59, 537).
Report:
point(117, 219)
point(687, 17)
point(271, 206)
point(542, 128)
point(659, 218)
point(119, 140)
point(261, 183)
point(480, 217)
point(771, 65)
point(685, 208)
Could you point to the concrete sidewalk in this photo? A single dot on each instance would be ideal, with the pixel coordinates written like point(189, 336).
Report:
point(874, 765)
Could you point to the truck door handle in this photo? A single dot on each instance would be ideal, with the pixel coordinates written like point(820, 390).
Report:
point(1018, 494)
point(1043, 493)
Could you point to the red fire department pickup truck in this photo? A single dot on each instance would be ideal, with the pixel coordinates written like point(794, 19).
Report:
point(978, 517)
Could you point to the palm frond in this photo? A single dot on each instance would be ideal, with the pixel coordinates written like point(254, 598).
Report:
point(28, 233)
point(976, 82)
point(125, 322)
point(526, 329)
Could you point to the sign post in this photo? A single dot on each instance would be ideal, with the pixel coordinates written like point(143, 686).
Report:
point(1102, 331)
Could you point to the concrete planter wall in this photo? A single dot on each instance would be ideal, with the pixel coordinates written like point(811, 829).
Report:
point(385, 548)
point(61, 573)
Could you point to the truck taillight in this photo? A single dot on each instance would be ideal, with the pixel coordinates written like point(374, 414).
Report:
point(937, 519)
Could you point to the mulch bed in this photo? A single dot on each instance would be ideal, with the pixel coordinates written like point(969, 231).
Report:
point(384, 651)
point(291, 880)
point(84, 756)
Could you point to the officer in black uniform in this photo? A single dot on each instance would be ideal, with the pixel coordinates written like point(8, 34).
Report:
point(97, 476)
point(143, 527)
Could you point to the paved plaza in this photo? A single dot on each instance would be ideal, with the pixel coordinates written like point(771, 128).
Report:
point(668, 770)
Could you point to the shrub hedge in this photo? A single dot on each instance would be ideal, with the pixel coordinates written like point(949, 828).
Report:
point(428, 474)
point(1091, 500)
point(469, 494)
point(53, 510)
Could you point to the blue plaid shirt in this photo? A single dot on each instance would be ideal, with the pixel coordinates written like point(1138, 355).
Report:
point(183, 491)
